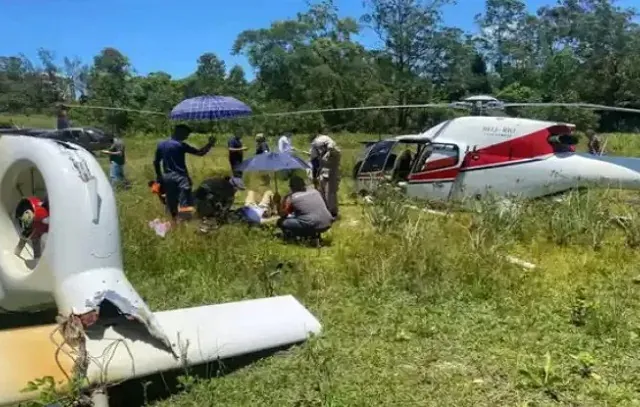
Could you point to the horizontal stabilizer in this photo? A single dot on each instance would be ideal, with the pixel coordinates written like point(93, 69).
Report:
point(125, 351)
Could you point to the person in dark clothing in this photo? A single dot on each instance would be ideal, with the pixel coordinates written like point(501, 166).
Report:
point(214, 198)
point(174, 176)
point(261, 144)
point(403, 166)
point(594, 145)
point(236, 150)
point(117, 160)
point(304, 213)
point(63, 121)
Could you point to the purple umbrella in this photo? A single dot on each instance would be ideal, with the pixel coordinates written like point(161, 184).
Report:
point(209, 108)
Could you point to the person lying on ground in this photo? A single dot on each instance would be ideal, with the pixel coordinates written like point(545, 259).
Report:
point(215, 196)
point(255, 212)
point(304, 212)
point(171, 169)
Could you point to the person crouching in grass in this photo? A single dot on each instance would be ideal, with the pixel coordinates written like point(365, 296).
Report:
point(214, 199)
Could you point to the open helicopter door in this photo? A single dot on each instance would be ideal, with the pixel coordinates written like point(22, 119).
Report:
point(434, 172)
point(390, 160)
point(377, 160)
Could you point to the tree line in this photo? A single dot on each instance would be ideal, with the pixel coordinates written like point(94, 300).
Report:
point(575, 51)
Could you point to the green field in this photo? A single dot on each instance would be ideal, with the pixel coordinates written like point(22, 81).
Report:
point(417, 310)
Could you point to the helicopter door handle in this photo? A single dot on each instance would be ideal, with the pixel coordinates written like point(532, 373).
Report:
point(438, 184)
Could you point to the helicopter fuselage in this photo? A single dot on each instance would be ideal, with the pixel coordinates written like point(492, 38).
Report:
point(471, 157)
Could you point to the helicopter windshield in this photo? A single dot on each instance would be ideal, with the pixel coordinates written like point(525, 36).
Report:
point(375, 160)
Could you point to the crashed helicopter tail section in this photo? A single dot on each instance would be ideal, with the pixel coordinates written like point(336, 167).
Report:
point(60, 242)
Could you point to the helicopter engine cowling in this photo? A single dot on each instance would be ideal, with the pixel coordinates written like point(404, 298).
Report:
point(563, 139)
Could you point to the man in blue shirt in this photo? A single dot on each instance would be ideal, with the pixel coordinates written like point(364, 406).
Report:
point(174, 176)
point(63, 121)
point(235, 154)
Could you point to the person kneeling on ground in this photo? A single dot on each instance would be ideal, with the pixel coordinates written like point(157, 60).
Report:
point(309, 213)
point(214, 198)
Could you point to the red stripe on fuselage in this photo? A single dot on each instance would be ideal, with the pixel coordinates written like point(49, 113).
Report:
point(446, 173)
point(520, 148)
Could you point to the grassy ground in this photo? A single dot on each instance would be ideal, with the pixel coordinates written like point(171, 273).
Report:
point(417, 310)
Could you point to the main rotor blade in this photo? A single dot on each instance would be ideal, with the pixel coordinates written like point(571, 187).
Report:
point(344, 109)
point(578, 105)
point(115, 108)
point(296, 112)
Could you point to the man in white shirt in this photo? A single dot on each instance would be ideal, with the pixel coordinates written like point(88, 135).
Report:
point(284, 144)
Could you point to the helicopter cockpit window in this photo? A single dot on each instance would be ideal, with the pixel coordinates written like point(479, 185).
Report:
point(65, 135)
point(438, 157)
point(77, 135)
point(96, 135)
point(377, 158)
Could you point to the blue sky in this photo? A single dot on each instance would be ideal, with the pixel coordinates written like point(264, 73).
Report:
point(168, 35)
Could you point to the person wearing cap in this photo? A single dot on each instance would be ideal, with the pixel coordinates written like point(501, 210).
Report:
point(214, 198)
point(171, 169)
point(261, 144)
point(303, 213)
point(235, 147)
point(325, 158)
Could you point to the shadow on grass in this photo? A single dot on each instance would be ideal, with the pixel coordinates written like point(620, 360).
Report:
point(12, 320)
point(160, 386)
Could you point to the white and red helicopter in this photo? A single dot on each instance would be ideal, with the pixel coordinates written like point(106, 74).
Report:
point(480, 155)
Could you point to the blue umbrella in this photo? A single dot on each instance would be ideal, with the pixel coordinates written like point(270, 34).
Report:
point(273, 161)
point(209, 108)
